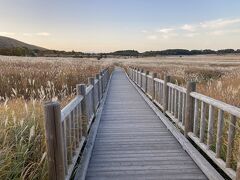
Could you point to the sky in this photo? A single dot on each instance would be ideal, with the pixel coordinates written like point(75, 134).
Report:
point(110, 25)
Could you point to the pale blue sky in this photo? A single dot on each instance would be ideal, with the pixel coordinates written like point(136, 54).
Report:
point(109, 25)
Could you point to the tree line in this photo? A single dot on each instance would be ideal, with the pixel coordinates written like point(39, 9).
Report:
point(24, 51)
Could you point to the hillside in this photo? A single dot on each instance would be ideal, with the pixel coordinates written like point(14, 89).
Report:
point(9, 43)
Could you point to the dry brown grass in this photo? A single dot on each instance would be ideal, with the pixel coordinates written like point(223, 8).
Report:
point(216, 76)
point(24, 84)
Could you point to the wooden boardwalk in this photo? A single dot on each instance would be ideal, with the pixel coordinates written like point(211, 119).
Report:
point(133, 143)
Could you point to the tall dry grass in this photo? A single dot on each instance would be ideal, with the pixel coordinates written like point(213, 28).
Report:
point(216, 76)
point(24, 84)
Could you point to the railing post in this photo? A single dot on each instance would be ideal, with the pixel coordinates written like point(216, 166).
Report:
point(140, 84)
point(165, 93)
point(101, 79)
point(54, 136)
point(129, 72)
point(146, 81)
point(189, 110)
point(137, 76)
point(99, 87)
point(78, 89)
point(154, 86)
point(132, 74)
point(132, 71)
point(82, 91)
point(92, 82)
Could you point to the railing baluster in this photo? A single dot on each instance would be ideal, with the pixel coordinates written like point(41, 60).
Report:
point(219, 133)
point(172, 100)
point(180, 106)
point(146, 82)
point(154, 85)
point(210, 127)
point(65, 146)
point(183, 108)
point(176, 104)
point(165, 94)
point(76, 126)
point(231, 134)
point(169, 99)
point(196, 114)
point(73, 131)
point(69, 139)
point(203, 122)
point(92, 82)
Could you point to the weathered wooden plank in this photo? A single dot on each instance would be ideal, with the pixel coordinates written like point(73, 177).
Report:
point(130, 131)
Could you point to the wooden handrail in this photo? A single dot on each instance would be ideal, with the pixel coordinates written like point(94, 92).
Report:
point(67, 129)
point(184, 106)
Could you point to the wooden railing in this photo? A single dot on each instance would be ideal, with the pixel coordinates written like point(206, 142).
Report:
point(188, 110)
point(67, 129)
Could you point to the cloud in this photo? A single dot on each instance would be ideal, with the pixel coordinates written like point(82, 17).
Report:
point(144, 31)
point(43, 34)
point(188, 27)
point(7, 33)
point(165, 30)
point(219, 23)
point(224, 32)
point(204, 29)
point(152, 37)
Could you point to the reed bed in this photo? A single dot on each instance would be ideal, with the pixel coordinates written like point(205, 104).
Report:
point(24, 84)
point(216, 76)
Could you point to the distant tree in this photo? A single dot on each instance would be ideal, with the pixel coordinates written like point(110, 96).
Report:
point(225, 51)
point(196, 52)
point(125, 53)
point(209, 51)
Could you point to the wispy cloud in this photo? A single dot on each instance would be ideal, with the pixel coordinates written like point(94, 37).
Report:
point(206, 29)
point(165, 30)
point(188, 27)
point(43, 34)
point(219, 23)
point(7, 33)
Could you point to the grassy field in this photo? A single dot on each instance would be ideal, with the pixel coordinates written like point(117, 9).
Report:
point(26, 82)
point(216, 76)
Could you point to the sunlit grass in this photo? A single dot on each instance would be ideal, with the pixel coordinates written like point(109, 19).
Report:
point(24, 85)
